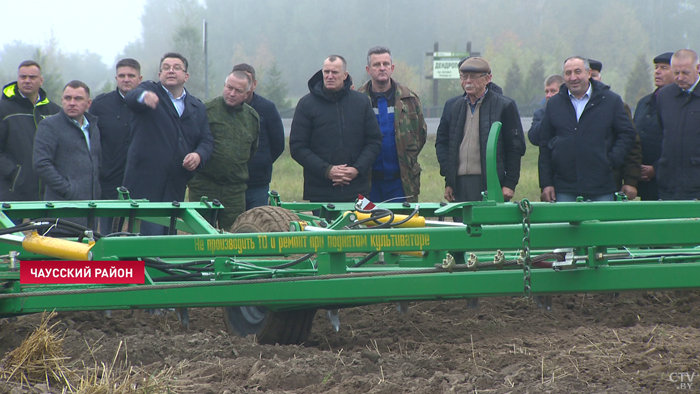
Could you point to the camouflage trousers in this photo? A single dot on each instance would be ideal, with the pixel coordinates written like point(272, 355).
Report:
point(231, 196)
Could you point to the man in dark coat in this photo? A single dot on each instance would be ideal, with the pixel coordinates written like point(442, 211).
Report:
point(629, 174)
point(444, 125)
point(678, 106)
point(462, 152)
point(113, 119)
point(270, 144)
point(170, 137)
point(67, 150)
point(23, 105)
point(646, 121)
point(335, 136)
point(551, 87)
point(585, 134)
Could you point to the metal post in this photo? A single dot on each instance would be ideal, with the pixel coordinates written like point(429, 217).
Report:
point(206, 59)
point(436, 91)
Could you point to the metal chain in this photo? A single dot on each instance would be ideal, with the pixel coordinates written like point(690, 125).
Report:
point(526, 209)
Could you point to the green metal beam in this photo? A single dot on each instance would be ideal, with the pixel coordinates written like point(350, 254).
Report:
point(345, 290)
point(505, 237)
point(479, 213)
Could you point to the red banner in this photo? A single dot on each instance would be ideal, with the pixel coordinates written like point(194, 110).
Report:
point(81, 272)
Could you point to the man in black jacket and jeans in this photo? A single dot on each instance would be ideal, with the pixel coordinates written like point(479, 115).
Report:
point(23, 105)
point(114, 117)
point(585, 133)
point(335, 136)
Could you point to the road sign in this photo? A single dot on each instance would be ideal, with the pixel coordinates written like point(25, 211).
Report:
point(445, 64)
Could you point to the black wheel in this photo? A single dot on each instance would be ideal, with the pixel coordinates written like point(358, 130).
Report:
point(269, 327)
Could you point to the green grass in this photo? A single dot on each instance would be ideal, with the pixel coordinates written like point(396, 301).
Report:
point(288, 177)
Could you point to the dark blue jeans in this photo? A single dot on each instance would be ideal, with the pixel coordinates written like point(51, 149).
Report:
point(256, 197)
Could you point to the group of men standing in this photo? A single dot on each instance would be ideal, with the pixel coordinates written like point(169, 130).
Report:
point(156, 139)
point(359, 142)
point(151, 137)
point(591, 146)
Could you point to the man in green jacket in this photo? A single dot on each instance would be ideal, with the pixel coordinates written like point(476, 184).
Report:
point(235, 127)
point(395, 172)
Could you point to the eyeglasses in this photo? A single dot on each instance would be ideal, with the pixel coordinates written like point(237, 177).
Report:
point(466, 77)
point(175, 68)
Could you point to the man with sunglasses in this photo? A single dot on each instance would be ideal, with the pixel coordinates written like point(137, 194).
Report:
point(170, 137)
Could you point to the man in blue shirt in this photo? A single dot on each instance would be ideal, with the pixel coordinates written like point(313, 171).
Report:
point(170, 138)
point(585, 133)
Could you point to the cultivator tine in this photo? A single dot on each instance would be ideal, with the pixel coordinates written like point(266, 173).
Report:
point(183, 315)
point(402, 307)
point(544, 302)
point(334, 318)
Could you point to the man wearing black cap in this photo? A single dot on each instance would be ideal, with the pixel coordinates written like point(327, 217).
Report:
point(596, 69)
point(678, 106)
point(462, 150)
point(585, 134)
point(646, 121)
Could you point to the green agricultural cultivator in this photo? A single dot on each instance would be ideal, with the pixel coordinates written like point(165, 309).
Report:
point(280, 263)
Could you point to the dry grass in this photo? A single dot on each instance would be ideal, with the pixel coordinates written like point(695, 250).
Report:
point(40, 360)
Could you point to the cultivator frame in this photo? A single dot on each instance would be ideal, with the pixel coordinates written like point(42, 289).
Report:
point(337, 259)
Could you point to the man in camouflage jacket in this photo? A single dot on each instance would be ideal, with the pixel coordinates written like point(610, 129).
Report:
point(235, 127)
point(396, 172)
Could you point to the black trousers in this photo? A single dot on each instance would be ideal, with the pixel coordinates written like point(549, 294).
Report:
point(468, 188)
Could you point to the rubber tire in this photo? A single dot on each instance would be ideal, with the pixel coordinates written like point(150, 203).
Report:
point(269, 327)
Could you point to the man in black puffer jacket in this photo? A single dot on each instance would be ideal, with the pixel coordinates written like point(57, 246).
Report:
point(335, 136)
point(24, 104)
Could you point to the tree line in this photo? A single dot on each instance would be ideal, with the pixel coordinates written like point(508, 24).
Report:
point(287, 41)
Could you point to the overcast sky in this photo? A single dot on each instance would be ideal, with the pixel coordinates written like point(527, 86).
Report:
point(102, 27)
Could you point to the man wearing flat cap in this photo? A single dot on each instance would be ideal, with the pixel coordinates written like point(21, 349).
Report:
point(646, 121)
point(462, 151)
point(585, 134)
point(443, 130)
